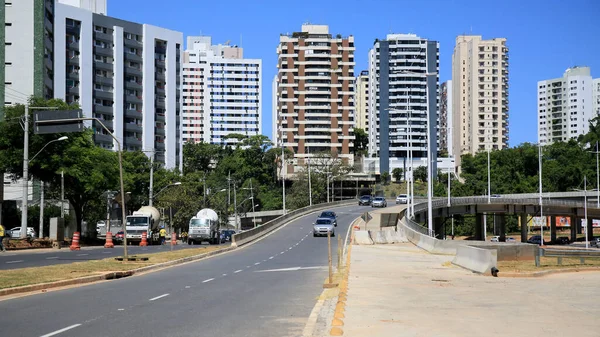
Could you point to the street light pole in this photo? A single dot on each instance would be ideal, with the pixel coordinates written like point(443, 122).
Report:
point(283, 169)
point(25, 175)
point(587, 243)
point(309, 181)
point(252, 196)
point(541, 199)
point(151, 189)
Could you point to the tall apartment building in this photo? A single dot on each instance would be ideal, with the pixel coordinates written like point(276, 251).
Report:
point(479, 95)
point(596, 96)
point(221, 92)
point(315, 93)
point(565, 106)
point(403, 97)
point(445, 118)
point(126, 74)
point(361, 90)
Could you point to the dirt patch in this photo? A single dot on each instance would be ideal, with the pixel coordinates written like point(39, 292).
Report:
point(37, 275)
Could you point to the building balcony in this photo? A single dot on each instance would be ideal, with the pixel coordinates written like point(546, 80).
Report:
point(133, 141)
point(103, 80)
point(132, 43)
point(103, 36)
point(73, 90)
point(133, 57)
point(159, 63)
point(108, 95)
point(103, 66)
point(133, 71)
point(133, 85)
point(159, 117)
point(73, 75)
point(101, 138)
point(103, 51)
point(159, 131)
point(133, 99)
point(133, 114)
point(159, 76)
point(106, 109)
point(133, 127)
point(73, 60)
point(108, 124)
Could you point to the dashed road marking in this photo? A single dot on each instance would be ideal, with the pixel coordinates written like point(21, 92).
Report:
point(158, 297)
point(224, 274)
point(237, 271)
point(17, 261)
point(271, 258)
point(257, 263)
point(54, 333)
point(187, 287)
point(210, 279)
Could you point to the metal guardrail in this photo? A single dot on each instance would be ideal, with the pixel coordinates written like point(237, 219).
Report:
point(463, 201)
point(254, 233)
point(559, 254)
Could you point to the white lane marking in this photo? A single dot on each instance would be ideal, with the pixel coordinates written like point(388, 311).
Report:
point(83, 254)
point(187, 287)
point(210, 279)
point(237, 271)
point(281, 252)
point(17, 261)
point(257, 263)
point(290, 269)
point(52, 258)
point(54, 333)
point(224, 274)
point(9, 254)
point(121, 309)
point(301, 227)
point(271, 257)
point(265, 260)
point(157, 297)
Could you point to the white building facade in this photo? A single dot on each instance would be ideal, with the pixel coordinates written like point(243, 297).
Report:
point(221, 91)
point(403, 99)
point(565, 106)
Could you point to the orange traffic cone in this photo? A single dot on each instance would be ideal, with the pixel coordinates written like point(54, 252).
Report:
point(109, 242)
point(144, 241)
point(75, 242)
point(173, 239)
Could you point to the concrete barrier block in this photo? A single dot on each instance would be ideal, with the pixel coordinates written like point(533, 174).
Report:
point(479, 260)
point(378, 237)
point(362, 238)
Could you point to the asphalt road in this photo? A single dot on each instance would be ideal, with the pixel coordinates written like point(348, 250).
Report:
point(266, 289)
point(47, 257)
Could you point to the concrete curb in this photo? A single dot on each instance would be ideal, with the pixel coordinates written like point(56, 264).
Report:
point(548, 272)
point(337, 322)
point(109, 276)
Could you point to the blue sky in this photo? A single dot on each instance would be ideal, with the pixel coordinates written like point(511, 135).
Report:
point(544, 37)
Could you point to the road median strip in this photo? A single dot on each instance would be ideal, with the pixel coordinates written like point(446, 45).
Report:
point(24, 280)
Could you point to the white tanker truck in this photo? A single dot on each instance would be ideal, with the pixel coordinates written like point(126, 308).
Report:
point(204, 226)
point(146, 219)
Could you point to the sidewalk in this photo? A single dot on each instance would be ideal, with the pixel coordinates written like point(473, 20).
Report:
point(401, 290)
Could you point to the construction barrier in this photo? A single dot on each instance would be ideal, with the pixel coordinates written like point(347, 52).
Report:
point(144, 241)
point(109, 241)
point(173, 239)
point(75, 242)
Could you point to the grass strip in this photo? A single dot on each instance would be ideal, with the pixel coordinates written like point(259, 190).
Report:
point(36, 275)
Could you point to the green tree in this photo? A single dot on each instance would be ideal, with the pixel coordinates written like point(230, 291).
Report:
point(420, 173)
point(361, 140)
point(397, 173)
point(385, 178)
point(88, 169)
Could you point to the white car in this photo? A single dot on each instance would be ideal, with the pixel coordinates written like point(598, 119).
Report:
point(402, 199)
point(495, 239)
point(15, 232)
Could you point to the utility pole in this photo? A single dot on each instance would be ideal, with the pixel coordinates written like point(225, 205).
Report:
point(238, 228)
point(541, 199)
point(41, 232)
point(204, 189)
point(25, 174)
point(62, 194)
point(283, 169)
point(252, 197)
point(151, 189)
point(309, 182)
point(229, 190)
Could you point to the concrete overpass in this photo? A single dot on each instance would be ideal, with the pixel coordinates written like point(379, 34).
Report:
point(554, 204)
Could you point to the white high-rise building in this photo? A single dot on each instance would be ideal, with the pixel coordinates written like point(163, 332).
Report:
point(221, 91)
point(126, 74)
point(445, 118)
point(596, 96)
point(565, 106)
point(403, 98)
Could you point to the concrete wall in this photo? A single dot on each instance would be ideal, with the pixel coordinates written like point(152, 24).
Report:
point(476, 259)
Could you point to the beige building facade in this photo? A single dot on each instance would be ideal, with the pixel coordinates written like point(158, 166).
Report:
point(362, 101)
point(479, 95)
